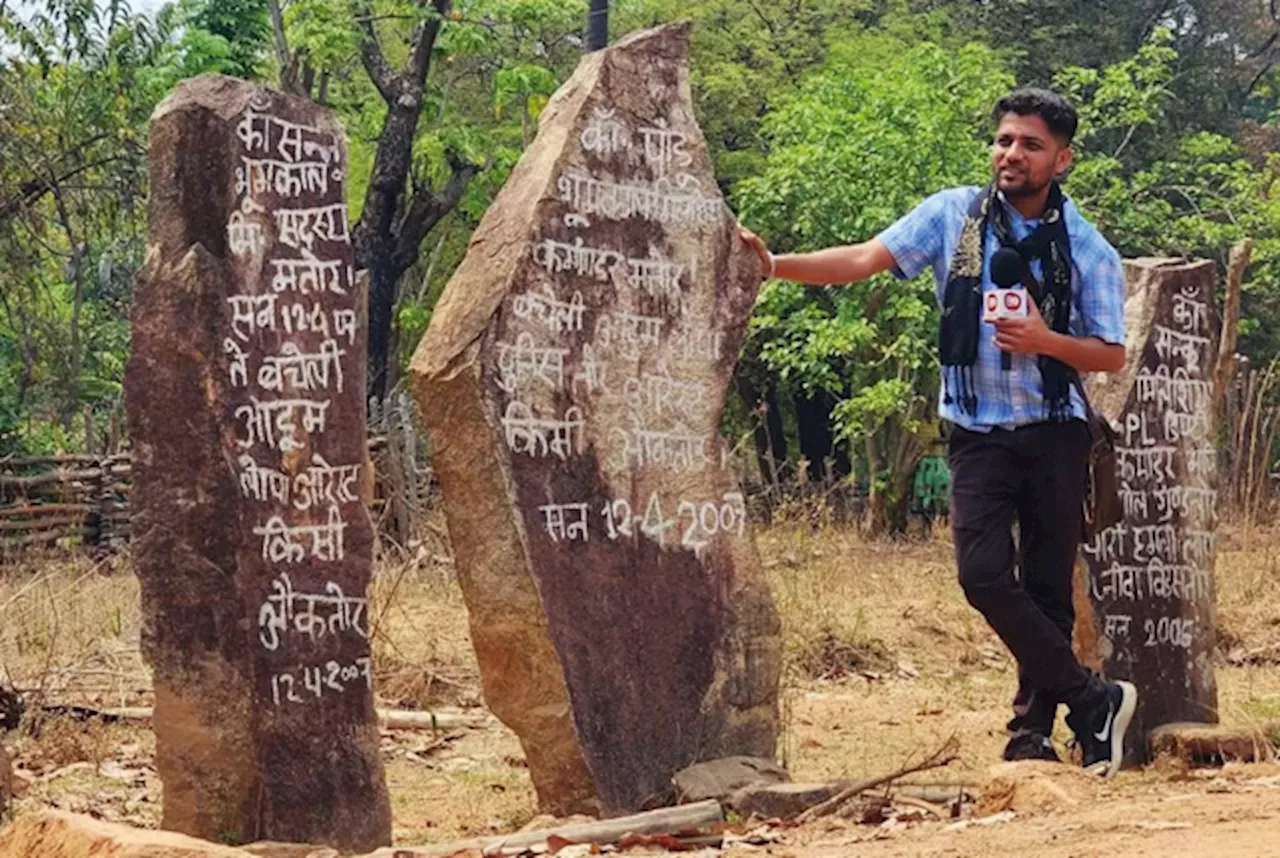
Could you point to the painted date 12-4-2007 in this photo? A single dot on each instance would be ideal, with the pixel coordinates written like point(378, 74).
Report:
point(696, 523)
point(318, 680)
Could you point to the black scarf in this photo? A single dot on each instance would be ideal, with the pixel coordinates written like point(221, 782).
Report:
point(962, 298)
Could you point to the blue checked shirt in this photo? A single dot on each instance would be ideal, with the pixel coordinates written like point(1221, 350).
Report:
point(927, 236)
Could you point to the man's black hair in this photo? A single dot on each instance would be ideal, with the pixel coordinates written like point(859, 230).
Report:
point(1055, 110)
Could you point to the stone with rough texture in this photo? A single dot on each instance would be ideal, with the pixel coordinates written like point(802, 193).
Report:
point(57, 834)
point(245, 394)
point(721, 778)
point(1145, 593)
point(572, 379)
point(781, 801)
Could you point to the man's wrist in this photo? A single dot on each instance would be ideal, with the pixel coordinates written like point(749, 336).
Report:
point(773, 265)
point(1054, 345)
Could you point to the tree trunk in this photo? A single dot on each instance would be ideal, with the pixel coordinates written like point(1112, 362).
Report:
point(875, 515)
point(759, 432)
point(778, 452)
point(889, 506)
point(1224, 366)
point(398, 210)
point(382, 303)
point(597, 26)
point(813, 421)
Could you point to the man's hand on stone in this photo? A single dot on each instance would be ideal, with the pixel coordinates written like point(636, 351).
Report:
point(757, 244)
point(1025, 336)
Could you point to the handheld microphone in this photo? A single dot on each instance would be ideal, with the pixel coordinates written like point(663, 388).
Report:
point(1006, 272)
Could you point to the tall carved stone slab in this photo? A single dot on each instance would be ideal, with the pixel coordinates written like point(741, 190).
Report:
point(246, 404)
point(572, 380)
point(1149, 612)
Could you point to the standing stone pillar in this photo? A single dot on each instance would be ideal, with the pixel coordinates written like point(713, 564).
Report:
point(1147, 607)
point(572, 379)
point(246, 402)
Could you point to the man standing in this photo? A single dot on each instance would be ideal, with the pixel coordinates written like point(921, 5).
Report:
point(1019, 443)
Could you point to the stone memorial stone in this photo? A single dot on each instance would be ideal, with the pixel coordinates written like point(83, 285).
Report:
point(1148, 609)
point(572, 380)
point(245, 394)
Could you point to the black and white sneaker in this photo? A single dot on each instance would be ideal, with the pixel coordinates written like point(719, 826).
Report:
point(1100, 731)
point(1031, 746)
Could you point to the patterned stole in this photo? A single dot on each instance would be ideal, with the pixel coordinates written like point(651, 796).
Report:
point(959, 329)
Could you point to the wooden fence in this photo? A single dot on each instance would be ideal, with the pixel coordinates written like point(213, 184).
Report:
point(84, 499)
point(44, 499)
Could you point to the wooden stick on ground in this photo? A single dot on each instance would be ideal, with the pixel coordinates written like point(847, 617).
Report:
point(390, 719)
point(939, 758)
point(685, 822)
point(667, 820)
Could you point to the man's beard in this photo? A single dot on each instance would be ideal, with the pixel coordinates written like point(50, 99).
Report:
point(1025, 188)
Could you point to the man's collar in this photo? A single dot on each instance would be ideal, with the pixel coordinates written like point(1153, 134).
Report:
point(1015, 216)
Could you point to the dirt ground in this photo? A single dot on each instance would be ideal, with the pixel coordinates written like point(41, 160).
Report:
point(885, 662)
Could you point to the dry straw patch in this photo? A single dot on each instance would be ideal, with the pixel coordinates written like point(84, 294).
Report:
point(69, 630)
point(421, 640)
point(884, 660)
point(1248, 587)
point(1248, 623)
point(853, 606)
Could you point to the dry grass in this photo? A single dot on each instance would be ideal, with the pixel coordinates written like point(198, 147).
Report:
point(421, 642)
point(1248, 587)
point(69, 631)
point(884, 659)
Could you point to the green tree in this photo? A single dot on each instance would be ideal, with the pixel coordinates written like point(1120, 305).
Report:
point(1152, 191)
point(1227, 50)
point(77, 83)
point(236, 30)
point(878, 128)
point(432, 94)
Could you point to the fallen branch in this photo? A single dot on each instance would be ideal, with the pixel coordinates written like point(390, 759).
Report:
point(686, 826)
point(686, 819)
point(47, 522)
point(944, 756)
point(1269, 654)
point(937, 810)
point(390, 719)
point(46, 536)
point(46, 509)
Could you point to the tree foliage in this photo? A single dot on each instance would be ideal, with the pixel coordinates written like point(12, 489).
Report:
point(78, 83)
point(826, 120)
point(869, 135)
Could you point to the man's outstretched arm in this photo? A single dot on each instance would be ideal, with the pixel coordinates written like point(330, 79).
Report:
point(847, 264)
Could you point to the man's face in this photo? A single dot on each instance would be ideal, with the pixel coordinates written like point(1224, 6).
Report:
point(1026, 155)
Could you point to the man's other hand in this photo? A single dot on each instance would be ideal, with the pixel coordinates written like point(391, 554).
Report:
point(1025, 336)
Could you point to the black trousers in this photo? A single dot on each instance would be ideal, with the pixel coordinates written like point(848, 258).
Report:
point(1035, 475)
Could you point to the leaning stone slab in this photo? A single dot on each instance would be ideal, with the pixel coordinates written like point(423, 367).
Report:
point(572, 379)
point(780, 801)
point(245, 394)
point(56, 834)
point(721, 778)
point(1145, 606)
